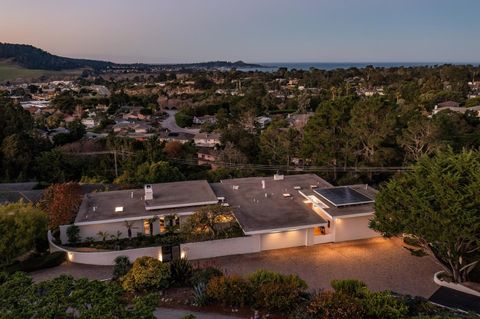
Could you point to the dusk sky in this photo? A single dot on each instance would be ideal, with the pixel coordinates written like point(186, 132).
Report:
point(161, 31)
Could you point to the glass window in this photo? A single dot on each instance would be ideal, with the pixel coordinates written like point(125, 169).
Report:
point(146, 227)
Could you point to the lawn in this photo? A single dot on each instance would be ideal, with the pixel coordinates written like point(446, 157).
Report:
point(10, 72)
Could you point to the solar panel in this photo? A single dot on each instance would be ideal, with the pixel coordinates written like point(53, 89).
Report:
point(343, 196)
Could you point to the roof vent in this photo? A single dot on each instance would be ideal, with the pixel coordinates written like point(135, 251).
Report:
point(119, 209)
point(235, 187)
point(287, 195)
point(148, 192)
point(297, 188)
point(278, 177)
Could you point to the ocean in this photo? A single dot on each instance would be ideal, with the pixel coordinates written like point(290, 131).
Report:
point(272, 67)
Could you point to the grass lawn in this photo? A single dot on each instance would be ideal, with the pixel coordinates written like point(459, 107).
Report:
point(10, 72)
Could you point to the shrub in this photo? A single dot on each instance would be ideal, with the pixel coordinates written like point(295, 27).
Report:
point(73, 234)
point(351, 287)
point(147, 274)
point(203, 275)
point(181, 271)
point(330, 305)
point(276, 292)
point(38, 262)
point(384, 305)
point(122, 267)
point(229, 290)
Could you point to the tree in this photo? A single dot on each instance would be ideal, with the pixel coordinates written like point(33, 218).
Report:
point(22, 228)
point(371, 129)
point(419, 138)
point(326, 137)
point(173, 149)
point(64, 296)
point(17, 155)
point(277, 145)
point(61, 201)
point(207, 222)
point(159, 172)
point(437, 204)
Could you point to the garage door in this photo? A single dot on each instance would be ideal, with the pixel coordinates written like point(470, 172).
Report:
point(284, 239)
point(353, 228)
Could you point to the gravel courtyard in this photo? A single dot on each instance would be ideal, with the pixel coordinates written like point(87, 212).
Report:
point(381, 263)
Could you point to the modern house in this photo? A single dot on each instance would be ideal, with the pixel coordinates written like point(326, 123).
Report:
point(276, 212)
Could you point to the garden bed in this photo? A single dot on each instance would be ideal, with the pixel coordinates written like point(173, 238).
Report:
point(143, 241)
point(469, 288)
point(181, 298)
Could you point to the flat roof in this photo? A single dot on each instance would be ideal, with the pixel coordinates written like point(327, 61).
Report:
point(257, 212)
point(168, 198)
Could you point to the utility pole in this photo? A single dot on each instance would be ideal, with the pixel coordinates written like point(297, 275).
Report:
point(115, 159)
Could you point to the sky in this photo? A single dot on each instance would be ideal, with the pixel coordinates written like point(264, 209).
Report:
point(180, 31)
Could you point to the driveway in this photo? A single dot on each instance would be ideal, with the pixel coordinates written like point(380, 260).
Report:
point(383, 264)
point(75, 270)
point(170, 124)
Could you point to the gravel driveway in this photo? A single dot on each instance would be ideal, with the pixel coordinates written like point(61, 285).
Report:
point(383, 264)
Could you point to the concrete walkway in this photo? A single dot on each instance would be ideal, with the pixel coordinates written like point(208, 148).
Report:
point(75, 270)
point(164, 313)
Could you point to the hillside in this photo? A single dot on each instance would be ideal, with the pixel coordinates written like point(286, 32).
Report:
point(33, 58)
point(30, 57)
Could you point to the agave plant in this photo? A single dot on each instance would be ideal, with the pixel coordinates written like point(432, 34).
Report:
point(200, 297)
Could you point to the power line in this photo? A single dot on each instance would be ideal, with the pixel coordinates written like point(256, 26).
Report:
point(266, 167)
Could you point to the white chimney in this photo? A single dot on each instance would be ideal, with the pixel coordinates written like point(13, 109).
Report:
point(148, 192)
point(263, 184)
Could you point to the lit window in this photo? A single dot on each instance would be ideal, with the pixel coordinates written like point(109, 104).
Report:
point(146, 227)
point(318, 231)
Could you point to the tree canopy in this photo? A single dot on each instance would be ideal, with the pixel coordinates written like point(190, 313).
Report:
point(22, 228)
point(438, 205)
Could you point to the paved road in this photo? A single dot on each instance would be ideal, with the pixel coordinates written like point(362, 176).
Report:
point(456, 299)
point(169, 123)
point(383, 264)
point(165, 313)
point(76, 270)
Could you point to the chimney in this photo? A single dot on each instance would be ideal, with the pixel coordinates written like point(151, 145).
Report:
point(263, 184)
point(148, 192)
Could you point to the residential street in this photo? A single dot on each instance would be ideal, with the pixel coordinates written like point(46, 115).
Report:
point(169, 123)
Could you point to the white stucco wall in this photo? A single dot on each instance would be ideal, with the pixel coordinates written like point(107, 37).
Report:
point(284, 239)
point(105, 258)
point(353, 228)
point(221, 247)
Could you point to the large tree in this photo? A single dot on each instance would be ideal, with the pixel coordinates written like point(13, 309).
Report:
point(438, 205)
point(61, 201)
point(22, 228)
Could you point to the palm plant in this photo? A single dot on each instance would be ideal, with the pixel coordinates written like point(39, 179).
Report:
point(103, 235)
point(129, 226)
